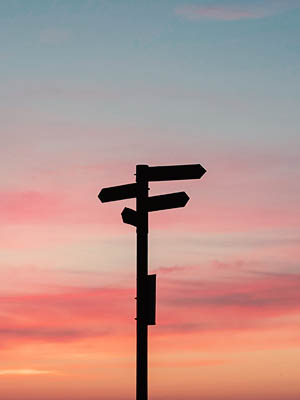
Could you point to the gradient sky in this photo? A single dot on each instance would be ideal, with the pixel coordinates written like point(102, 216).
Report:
point(88, 90)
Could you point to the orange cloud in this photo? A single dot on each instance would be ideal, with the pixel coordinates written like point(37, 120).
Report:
point(24, 372)
point(85, 338)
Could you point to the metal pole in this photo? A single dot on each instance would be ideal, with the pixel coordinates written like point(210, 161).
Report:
point(142, 272)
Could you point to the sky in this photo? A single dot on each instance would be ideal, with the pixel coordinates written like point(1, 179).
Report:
point(89, 89)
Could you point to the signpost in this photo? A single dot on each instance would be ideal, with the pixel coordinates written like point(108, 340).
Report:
point(146, 284)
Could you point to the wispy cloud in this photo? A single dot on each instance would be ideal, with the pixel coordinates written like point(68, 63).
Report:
point(38, 207)
point(42, 317)
point(54, 36)
point(20, 207)
point(194, 12)
point(234, 11)
point(25, 372)
point(258, 302)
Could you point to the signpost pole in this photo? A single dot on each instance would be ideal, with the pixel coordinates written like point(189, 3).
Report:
point(142, 272)
point(146, 284)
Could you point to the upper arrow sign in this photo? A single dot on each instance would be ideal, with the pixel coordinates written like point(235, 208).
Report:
point(165, 201)
point(175, 172)
point(115, 193)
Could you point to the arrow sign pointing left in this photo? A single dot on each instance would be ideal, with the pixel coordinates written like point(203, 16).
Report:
point(129, 216)
point(115, 193)
point(165, 201)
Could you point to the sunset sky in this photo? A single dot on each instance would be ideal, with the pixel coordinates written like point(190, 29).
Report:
point(89, 89)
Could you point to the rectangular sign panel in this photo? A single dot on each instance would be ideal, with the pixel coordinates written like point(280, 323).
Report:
point(175, 172)
point(151, 299)
point(115, 193)
point(166, 201)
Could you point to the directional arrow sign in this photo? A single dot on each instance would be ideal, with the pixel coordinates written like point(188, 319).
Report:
point(175, 172)
point(115, 193)
point(165, 201)
point(129, 216)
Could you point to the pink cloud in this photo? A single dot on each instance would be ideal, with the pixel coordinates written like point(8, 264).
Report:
point(68, 315)
point(233, 12)
point(33, 207)
point(171, 270)
point(194, 12)
point(257, 302)
point(215, 216)
point(235, 265)
point(30, 206)
point(185, 306)
point(234, 195)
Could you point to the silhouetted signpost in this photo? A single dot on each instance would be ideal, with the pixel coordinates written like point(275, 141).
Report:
point(146, 284)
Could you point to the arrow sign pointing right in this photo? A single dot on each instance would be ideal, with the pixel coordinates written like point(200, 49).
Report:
point(166, 201)
point(175, 172)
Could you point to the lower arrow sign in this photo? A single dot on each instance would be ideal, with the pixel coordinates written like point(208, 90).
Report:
point(129, 216)
point(165, 201)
